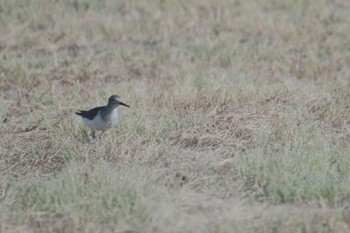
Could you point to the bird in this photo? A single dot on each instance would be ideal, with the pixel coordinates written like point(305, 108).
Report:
point(103, 117)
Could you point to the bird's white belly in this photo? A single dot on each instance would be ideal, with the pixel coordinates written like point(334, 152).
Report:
point(114, 117)
point(99, 124)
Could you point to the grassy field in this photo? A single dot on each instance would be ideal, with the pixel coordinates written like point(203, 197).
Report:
point(239, 118)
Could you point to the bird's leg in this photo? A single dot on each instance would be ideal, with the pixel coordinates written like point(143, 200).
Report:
point(102, 134)
point(93, 133)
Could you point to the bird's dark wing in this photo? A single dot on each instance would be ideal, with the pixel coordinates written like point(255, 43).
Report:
point(89, 114)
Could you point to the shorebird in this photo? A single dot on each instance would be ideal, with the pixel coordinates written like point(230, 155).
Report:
point(104, 117)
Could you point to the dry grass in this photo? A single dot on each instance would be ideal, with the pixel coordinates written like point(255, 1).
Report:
point(239, 118)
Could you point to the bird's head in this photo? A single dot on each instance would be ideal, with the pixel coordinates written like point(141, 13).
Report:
point(114, 101)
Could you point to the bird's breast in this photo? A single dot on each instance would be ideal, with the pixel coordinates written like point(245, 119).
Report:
point(114, 117)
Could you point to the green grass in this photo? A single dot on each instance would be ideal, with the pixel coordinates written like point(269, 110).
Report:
point(239, 118)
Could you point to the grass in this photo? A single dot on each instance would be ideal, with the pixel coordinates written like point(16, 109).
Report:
point(239, 118)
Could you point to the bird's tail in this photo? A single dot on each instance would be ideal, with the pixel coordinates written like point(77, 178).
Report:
point(80, 112)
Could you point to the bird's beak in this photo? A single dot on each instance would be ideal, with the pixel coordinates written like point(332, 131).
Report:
point(121, 103)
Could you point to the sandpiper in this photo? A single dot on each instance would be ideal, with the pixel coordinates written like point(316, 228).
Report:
point(104, 117)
